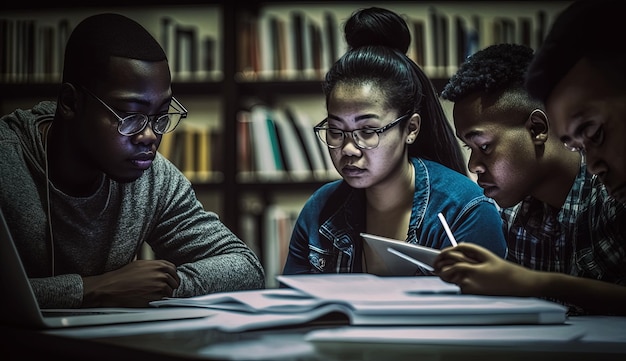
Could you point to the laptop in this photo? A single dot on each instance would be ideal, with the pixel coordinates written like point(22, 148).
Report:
point(397, 258)
point(20, 307)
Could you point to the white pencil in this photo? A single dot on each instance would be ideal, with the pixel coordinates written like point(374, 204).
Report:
point(447, 229)
point(409, 258)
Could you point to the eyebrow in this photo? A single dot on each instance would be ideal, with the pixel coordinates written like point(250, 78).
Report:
point(578, 118)
point(357, 118)
point(472, 134)
point(137, 99)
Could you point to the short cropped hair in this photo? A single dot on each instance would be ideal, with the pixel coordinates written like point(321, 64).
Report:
point(99, 37)
point(592, 29)
point(491, 70)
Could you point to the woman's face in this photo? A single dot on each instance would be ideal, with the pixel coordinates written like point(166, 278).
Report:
point(351, 107)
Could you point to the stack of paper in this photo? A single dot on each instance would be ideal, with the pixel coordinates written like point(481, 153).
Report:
point(367, 299)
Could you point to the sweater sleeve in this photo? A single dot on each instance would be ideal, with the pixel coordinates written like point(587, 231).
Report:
point(209, 256)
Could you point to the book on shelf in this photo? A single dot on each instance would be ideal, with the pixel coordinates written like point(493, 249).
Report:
point(292, 150)
point(417, 51)
point(248, 46)
point(365, 299)
point(315, 155)
point(267, 160)
point(288, 44)
point(204, 157)
point(209, 56)
point(245, 164)
point(332, 39)
point(189, 151)
point(278, 223)
point(278, 143)
point(191, 55)
point(186, 51)
point(194, 149)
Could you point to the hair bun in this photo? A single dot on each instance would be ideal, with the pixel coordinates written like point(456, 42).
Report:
point(377, 26)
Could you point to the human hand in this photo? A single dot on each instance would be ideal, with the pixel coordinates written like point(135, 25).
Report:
point(134, 285)
point(477, 270)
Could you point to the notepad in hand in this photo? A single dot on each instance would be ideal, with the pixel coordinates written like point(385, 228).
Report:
point(390, 264)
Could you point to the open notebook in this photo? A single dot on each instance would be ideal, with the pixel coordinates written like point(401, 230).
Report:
point(20, 307)
point(368, 300)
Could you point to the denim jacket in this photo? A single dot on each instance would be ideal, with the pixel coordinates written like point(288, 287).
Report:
point(326, 236)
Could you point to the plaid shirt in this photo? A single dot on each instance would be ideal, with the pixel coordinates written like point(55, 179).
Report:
point(585, 238)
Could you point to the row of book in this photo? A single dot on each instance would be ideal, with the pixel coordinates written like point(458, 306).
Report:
point(32, 51)
point(279, 144)
point(196, 150)
point(267, 229)
point(303, 44)
point(273, 144)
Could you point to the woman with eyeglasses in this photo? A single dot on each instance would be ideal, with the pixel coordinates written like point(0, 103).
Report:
point(83, 186)
point(401, 165)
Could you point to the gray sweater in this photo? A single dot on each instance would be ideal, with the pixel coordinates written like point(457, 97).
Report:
point(104, 231)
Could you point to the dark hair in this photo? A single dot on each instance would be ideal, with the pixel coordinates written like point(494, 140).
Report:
point(589, 29)
point(377, 43)
point(99, 37)
point(495, 71)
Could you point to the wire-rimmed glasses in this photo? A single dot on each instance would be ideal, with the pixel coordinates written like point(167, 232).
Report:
point(365, 138)
point(135, 123)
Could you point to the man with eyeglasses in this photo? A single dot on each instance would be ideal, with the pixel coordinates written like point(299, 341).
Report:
point(83, 187)
point(559, 220)
point(580, 73)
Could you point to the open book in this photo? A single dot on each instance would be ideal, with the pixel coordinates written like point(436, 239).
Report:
point(365, 299)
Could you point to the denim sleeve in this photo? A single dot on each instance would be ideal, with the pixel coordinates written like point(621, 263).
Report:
point(480, 223)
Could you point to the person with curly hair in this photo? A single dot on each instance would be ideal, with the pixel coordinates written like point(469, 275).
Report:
point(564, 232)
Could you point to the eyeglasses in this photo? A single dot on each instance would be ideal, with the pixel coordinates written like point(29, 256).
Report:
point(365, 138)
point(135, 123)
point(592, 133)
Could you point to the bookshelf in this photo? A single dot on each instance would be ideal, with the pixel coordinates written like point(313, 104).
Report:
point(244, 55)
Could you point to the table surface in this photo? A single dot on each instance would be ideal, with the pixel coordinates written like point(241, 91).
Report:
point(582, 337)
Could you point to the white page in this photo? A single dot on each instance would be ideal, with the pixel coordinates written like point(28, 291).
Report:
point(364, 287)
point(450, 335)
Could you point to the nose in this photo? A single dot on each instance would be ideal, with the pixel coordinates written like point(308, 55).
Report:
point(349, 147)
point(474, 165)
point(147, 134)
point(595, 163)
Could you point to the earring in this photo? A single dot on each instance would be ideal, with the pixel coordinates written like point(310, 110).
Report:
point(410, 140)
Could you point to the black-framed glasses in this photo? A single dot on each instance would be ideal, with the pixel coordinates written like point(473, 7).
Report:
point(365, 138)
point(135, 123)
point(592, 133)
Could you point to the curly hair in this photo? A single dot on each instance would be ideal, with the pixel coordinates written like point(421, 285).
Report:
point(494, 69)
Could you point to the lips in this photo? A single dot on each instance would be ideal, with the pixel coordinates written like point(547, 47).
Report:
point(143, 157)
point(142, 161)
point(352, 171)
point(489, 189)
point(486, 185)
